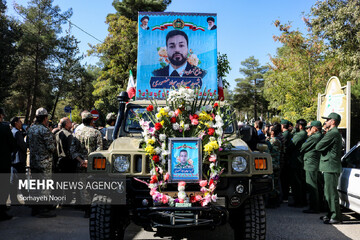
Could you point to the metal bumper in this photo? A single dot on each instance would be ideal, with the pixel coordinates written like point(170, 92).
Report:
point(182, 217)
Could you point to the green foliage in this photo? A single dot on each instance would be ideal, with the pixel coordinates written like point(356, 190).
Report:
point(338, 23)
point(299, 71)
point(130, 8)
point(9, 34)
point(248, 93)
point(223, 68)
point(76, 115)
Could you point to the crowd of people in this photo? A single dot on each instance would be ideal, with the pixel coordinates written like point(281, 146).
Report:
point(306, 163)
point(305, 158)
point(44, 149)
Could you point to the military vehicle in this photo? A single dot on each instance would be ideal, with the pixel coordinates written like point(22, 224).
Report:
point(246, 178)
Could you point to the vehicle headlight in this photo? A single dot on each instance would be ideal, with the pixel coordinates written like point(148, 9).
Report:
point(121, 163)
point(239, 164)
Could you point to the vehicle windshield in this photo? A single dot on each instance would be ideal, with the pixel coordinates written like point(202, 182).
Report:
point(133, 126)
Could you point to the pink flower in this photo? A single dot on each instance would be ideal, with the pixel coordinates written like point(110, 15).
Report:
point(181, 200)
point(165, 199)
point(220, 149)
point(153, 192)
point(203, 183)
point(212, 158)
point(203, 189)
point(194, 122)
point(198, 198)
point(166, 177)
point(212, 187)
point(182, 183)
point(214, 197)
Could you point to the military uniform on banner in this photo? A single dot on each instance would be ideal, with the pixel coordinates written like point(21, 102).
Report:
point(85, 141)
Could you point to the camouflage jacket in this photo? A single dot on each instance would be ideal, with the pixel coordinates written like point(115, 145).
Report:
point(275, 148)
point(42, 147)
point(85, 141)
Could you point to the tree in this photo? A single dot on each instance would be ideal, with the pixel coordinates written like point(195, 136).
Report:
point(38, 49)
point(297, 74)
point(338, 23)
point(118, 53)
point(223, 68)
point(249, 90)
point(9, 34)
point(130, 8)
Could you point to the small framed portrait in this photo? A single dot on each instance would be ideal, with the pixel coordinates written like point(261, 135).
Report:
point(185, 160)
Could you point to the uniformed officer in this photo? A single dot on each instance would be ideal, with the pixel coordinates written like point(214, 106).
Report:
point(311, 165)
point(42, 147)
point(330, 164)
point(275, 148)
point(296, 164)
point(284, 167)
point(86, 140)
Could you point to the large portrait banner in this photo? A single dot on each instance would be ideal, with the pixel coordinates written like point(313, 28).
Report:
point(176, 49)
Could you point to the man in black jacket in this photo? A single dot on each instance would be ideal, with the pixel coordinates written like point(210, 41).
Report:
point(177, 43)
point(7, 146)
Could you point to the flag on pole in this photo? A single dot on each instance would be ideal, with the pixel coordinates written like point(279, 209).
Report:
point(221, 89)
point(131, 88)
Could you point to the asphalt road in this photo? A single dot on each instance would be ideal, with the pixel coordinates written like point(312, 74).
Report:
point(282, 223)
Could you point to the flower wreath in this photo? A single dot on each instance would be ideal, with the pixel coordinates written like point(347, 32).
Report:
point(186, 114)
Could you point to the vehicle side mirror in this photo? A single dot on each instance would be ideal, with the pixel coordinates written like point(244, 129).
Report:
point(262, 147)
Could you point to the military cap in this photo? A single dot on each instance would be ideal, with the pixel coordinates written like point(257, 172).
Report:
point(41, 112)
point(334, 116)
point(111, 116)
point(284, 121)
point(315, 124)
point(87, 115)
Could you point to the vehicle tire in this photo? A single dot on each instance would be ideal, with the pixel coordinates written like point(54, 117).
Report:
point(105, 219)
point(249, 222)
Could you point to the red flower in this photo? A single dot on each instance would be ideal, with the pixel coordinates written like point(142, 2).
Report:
point(156, 158)
point(143, 94)
point(173, 120)
point(211, 131)
point(150, 108)
point(154, 179)
point(195, 116)
point(158, 126)
point(216, 105)
point(187, 87)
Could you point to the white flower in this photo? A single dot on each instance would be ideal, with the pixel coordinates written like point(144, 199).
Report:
point(188, 108)
point(219, 131)
point(176, 126)
point(162, 137)
point(186, 127)
point(163, 146)
point(212, 165)
point(172, 114)
point(167, 109)
point(164, 153)
point(158, 150)
point(212, 139)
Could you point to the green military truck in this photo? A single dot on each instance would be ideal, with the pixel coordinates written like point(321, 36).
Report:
point(246, 178)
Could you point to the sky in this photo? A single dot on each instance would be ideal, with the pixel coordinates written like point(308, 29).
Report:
point(244, 28)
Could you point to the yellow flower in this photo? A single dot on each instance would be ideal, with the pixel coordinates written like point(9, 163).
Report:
point(150, 141)
point(163, 112)
point(150, 150)
point(162, 122)
point(213, 145)
point(158, 115)
point(203, 116)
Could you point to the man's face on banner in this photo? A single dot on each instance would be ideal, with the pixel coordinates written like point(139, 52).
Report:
point(183, 157)
point(177, 50)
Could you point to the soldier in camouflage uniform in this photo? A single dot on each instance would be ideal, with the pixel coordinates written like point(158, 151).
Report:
point(275, 147)
point(42, 148)
point(85, 141)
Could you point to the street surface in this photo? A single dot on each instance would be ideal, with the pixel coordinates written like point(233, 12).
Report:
point(282, 223)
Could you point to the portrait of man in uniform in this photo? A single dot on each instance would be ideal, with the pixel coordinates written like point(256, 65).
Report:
point(183, 160)
point(177, 43)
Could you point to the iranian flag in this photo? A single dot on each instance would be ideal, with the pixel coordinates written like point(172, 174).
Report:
point(131, 88)
point(221, 89)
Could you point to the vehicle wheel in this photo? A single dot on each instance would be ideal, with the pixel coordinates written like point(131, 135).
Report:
point(105, 219)
point(249, 222)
